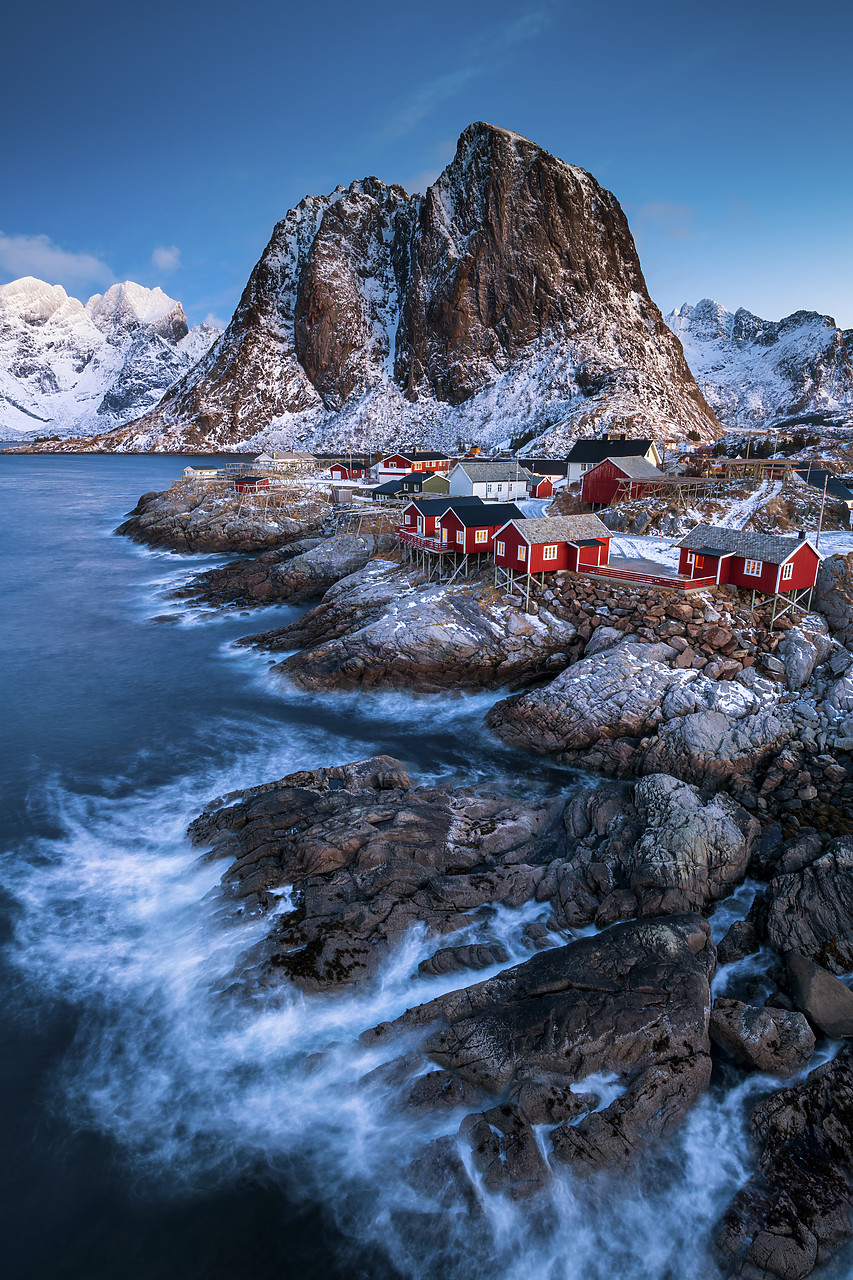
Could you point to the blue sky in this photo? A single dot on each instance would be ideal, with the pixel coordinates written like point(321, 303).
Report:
point(161, 142)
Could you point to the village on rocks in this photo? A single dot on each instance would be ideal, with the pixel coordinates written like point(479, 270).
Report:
point(713, 724)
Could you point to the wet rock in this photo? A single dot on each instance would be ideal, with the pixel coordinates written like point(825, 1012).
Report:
point(794, 1212)
point(741, 940)
point(763, 1039)
point(505, 1151)
point(544, 1103)
point(632, 1001)
point(458, 959)
point(823, 998)
point(441, 1091)
point(361, 856)
point(811, 911)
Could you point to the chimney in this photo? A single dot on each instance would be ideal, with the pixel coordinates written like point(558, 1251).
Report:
point(801, 535)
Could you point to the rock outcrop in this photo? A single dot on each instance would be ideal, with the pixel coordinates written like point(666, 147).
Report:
point(762, 1038)
point(364, 857)
point(633, 1001)
point(796, 1210)
point(193, 521)
point(834, 595)
point(810, 911)
point(377, 316)
point(303, 570)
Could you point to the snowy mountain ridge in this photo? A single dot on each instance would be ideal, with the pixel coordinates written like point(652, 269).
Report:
point(507, 302)
point(756, 372)
point(72, 369)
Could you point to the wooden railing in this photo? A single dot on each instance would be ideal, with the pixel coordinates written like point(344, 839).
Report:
point(418, 540)
point(649, 579)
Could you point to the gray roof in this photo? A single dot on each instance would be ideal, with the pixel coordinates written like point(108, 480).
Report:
point(562, 528)
point(494, 471)
point(769, 547)
point(636, 468)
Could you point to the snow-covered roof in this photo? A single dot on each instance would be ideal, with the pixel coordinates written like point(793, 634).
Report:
point(770, 547)
point(494, 471)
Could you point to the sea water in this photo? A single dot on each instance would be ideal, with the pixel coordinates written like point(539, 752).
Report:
point(152, 1125)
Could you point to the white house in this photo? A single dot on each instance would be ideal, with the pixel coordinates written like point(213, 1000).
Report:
point(491, 481)
point(586, 454)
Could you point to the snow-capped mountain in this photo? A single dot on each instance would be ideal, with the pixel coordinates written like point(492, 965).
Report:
point(756, 372)
point(66, 368)
point(507, 302)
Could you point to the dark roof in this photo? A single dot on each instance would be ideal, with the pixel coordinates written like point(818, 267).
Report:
point(435, 506)
point(492, 514)
point(587, 542)
point(834, 487)
point(389, 487)
point(711, 551)
point(598, 450)
point(545, 466)
point(420, 475)
point(769, 547)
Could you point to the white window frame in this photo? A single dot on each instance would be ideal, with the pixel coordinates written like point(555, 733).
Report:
point(788, 571)
point(522, 552)
point(481, 535)
point(500, 548)
point(753, 568)
point(460, 536)
point(550, 552)
point(488, 488)
point(443, 534)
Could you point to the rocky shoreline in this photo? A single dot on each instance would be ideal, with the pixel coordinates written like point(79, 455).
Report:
point(717, 745)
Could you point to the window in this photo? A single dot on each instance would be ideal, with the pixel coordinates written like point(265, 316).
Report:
point(499, 487)
point(460, 536)
point(488, 488)
point(500, 548)
point(522, 553)
point(699, 561)
point(549, 553)
point(788, 571)
point(481, 535)
point(753, 568)
point(444, 535)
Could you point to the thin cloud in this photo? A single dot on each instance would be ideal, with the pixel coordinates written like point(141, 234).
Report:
point(215, 320)
point(39, 256)
point(482, 56)
point(166, 258)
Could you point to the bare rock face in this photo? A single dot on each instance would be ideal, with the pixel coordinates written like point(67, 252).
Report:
point(364, 857)
point(375, 316)
point(195, 522)
point(764, 1039)
point(633, 1001)
point(811, 910)
point(823, 998)
point(378, 629)
point(796, 1210)
point(834, 595)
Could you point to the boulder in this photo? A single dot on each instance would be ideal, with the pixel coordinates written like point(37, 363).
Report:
point(761, 1037)
point(810, 911)
point(801, 652)
point(834, 595)
point(302, 571)
point(711, 747)
point(189, 520)
point(823, 998)
point(360, 857)
point(632, 1001)
point(794, 1212)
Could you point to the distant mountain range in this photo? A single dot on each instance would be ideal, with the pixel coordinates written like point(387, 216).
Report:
point(756, 372)
point(69, 369)
point(506, 306)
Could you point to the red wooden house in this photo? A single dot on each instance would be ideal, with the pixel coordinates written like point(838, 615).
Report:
point(552, 542)
point(626, 478)
point(541, 487)
point(471, 529)
point(420, 517)
point(340, 471)
point(397, 465)
point(765, 562)
point(250, 483)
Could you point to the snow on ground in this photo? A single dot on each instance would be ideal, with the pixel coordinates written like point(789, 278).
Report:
point(742, 511)
point(532, 508)
point(663, 551)
point(834, 544)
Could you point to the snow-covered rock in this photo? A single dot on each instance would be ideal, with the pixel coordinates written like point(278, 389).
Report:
point(756, 372)
point(66, 368)
point(506, 302)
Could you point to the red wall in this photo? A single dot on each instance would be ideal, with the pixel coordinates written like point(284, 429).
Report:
point(600, 484)
point(542, 489)
point(805, 562)
point(451, 522)
point(513, 539)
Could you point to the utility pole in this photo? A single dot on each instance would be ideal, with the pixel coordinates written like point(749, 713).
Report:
point(820, 521)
